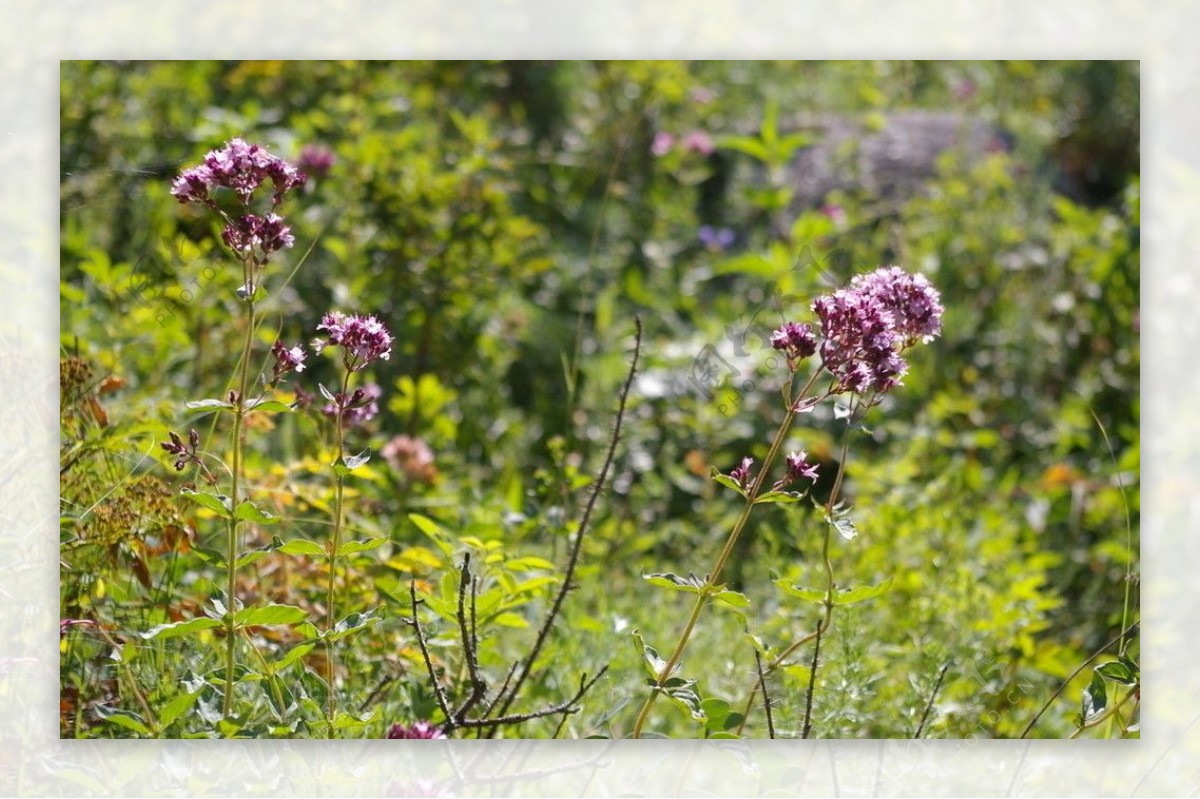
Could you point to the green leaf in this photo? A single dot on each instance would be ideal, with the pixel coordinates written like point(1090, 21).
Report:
point(1117, 672)
point(209, 405)
point(176, 708)
point(268, 405)
point(654, 664)
point(302, 546)
point(716, 710)
point(691, 583)
point(352, 624)
point(807, 594)
point(862, 593)
point(727, 481)
point(746, 144)
point(247, 511)
point(258, 553)
point(269, 614)
point(126, 719)
point(1095, 697)
point(219, 503)
point(295, 653)
point(683, 694)
point(847, 597)
point(783, 497)
point(178, 628)
point(732, 598)
point(352, 547)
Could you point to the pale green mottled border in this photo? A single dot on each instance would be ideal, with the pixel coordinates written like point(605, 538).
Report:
point(37, 33)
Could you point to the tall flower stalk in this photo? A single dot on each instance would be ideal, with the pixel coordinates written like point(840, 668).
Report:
point(864, 329)
point(363, 340)
point(242, 169)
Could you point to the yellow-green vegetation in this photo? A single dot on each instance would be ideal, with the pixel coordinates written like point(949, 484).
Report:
point(490, 503)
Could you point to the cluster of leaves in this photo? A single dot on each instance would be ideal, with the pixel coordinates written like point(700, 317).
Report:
point(508, 220)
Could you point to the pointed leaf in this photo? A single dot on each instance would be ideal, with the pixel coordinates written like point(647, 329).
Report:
point(1095, 697)
point(219, 503)
point(209, 405)
point(302, 546)
point(727, 481)
point(269, 614)
point(783, 497)
point(862, 593)
point(181, 628)
point(249, 512)
point(268, 406)
point(352, 547)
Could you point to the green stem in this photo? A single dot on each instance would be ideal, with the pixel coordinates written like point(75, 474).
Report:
point(335, 542)
point(711, 583)
point(239, 412)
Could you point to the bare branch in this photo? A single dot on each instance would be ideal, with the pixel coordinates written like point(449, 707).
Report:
point(937, 686)
point(762, 683)
point(433, 680)
point(577, 545)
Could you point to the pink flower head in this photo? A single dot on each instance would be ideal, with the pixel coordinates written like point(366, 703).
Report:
point(363, 339)
point(798, 467)
point(411, 457)
point(741, 474)
point(239, 167)
point(662, 144)
point(796, 341)
point(249, 232)
point(865, 327)
point(316, 160)
point(420, 729)
point(699, 142)
point(286, 360)
point(360, 406)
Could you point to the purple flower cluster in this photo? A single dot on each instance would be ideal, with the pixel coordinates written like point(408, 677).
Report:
point(286, 360)
point(865, 327)
point(316, 160)
point(363, 339)
point(184, 453)
point(741, 474)
point(798, 467)
point(796, 341)
point(268, 234)
point(420, 729)
point(915, 305)
point(239, 167)
point(362, 405)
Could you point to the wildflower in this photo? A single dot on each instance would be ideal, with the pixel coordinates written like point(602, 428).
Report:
point(239, 167)
point(699, 142)
point(912, 300)
point(420, 729)
point(360, 406)
point(316, 160)
point(184, 453)
point(286, 360)
point(834, 213)
point(715, 239)
point(268, 234)
point(741, 474)
point(662, 144)
point(865, 327)
point(412, 457)
point(796, 341)
point(363, 339)
point(797, 467)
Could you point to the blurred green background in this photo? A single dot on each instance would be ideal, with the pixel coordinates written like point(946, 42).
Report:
point(508, 220)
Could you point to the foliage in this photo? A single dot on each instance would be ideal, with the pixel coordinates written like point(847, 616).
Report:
point(508, 222)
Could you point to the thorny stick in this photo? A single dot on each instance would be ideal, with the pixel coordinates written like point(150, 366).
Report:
point(577, 545)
